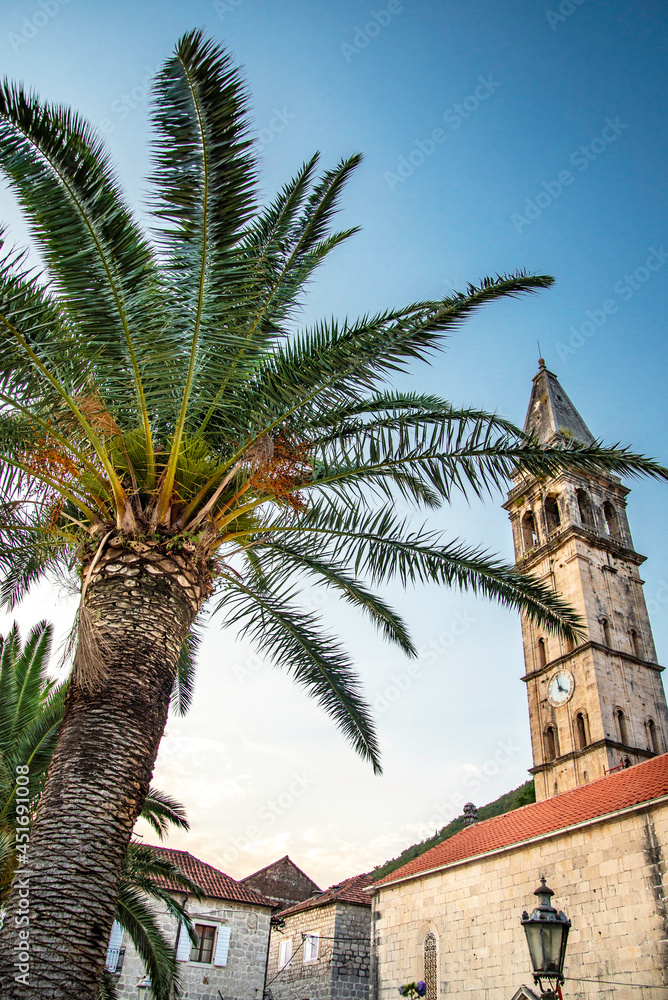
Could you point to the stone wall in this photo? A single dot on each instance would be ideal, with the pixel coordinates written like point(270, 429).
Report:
point(243, 976)
point(351, 958)
point(341, 971)
point(300, 979)
point(609, 878)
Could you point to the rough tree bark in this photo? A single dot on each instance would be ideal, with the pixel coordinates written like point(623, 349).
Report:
point(142, 600)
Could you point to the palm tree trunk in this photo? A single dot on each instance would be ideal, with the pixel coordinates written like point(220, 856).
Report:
point(140, 611)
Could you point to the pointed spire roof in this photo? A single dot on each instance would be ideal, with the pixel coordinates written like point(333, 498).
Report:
point(551, 415)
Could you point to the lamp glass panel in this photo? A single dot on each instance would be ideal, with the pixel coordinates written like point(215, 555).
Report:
point(535, 941)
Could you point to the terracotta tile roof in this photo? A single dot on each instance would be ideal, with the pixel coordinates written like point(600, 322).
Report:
point(640, 783)
point(349, 891)
point(213, 883)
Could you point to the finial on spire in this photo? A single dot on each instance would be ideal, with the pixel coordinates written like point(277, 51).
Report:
point(541, 359)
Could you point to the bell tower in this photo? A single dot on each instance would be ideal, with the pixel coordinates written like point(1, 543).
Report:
point(600, 705)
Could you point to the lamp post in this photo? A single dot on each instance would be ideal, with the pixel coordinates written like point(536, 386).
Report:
point(547, 932)
point(144, 991)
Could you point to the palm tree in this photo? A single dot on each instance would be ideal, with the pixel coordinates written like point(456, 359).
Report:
point(168, 434)
point(31, 710)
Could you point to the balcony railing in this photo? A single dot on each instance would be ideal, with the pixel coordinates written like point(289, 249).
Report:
point(114, 961)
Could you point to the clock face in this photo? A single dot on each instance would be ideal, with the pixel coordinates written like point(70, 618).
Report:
point(560, 687)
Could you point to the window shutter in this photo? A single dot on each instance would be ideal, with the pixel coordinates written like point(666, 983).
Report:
point(284, 953)
point(185, 944)
point(222, 946)
point(116, 936)
point(311, 945)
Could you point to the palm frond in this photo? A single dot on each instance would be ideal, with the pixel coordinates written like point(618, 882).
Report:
point(293, 640)
point(160, 810)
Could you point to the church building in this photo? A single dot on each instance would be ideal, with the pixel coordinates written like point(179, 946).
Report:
point(598, 831)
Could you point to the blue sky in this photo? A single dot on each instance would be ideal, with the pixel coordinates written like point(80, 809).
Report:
point(496, 136)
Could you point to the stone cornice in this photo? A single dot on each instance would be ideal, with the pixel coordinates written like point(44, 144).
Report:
point(597, 745)
point(557, 539)
point(591, 644)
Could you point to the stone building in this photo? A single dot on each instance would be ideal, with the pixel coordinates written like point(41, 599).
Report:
point(601, 704)
point(282, 882)
point(320, 948)
point(452, 916)
point(599, 729)
point(232, 922)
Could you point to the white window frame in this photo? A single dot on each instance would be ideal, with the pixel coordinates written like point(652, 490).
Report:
point(311, 946)
point(284, 953)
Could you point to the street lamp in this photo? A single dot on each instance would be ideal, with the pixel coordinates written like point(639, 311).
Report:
point(547, 932)
point(144, 991)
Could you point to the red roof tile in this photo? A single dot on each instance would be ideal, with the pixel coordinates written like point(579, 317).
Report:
point(213, 883)
point(349, 891)
point(640, 783)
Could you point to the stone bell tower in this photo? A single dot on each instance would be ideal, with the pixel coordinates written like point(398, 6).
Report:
point(600, 705)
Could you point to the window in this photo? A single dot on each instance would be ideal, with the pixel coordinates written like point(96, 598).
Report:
point(284, 953)
point(581, 730)
point(551, 743)
point(311, 947)
point(431, 967)
point(552, 515)
point(542, 652)
point(585, 509)
point(529, 533)
point(115, 954)
point(654, 744)
point(611, 519)
point(622, 726)
point(607, 632)
point(203, 950)
point(635, 643)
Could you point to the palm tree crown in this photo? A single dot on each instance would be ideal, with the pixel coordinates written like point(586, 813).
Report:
point(158, 395)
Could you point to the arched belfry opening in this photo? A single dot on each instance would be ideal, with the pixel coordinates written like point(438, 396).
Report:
point(552, 514)
point(529, 531)
point(585, 509)
point(611, 519)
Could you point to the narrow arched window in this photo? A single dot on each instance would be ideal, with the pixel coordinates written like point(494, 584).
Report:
point(652, 733)
point(585, 509)
point(581, 730)
point(607, 632)
point(551, 743)
point(552, 515)
point(635, 643)
point(611, 519)
point(622, 726)
point(542, 652)
point(529, 533)
point(430, 967)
